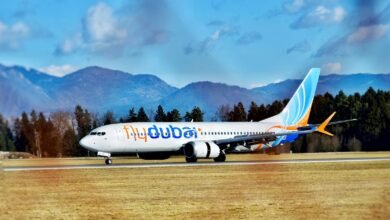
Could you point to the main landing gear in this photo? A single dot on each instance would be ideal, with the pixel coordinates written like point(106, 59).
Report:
point(108, 161)
point(220, 158)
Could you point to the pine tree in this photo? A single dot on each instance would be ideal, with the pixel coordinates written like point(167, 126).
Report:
point(70, 143)
point(223, 113)
point(197, 114)
point(173, 116)
point(132, 116)
point(238, 113)
point(160, 114)
point(141, 116)
point(27, 134)
point(108, 118)
point(84, 126)
point(253, 112)
point(187, 117)
point(6, 137)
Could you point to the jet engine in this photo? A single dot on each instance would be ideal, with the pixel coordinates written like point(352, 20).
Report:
point(195, 150)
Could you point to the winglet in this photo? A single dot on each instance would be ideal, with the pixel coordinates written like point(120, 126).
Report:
point(321, 128)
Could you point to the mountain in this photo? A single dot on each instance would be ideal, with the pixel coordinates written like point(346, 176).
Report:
point(209, 96)
point(206, 95)
point(95, 88)
point(100, 89)
point(332, 83)
point(18, 92)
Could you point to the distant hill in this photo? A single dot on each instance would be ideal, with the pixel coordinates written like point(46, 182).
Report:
point(100, 89)
point(332, 83)
point(95, 88)
point(206, 95)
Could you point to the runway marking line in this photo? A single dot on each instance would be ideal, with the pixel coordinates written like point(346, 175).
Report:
point(179, 164)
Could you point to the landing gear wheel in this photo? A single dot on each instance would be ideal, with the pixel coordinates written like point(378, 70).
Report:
point(191, 159)
point(108, 161)
point(220, 158)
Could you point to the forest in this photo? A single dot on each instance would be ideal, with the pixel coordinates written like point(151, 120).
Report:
point(58, 134)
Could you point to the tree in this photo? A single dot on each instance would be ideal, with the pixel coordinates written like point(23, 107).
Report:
point(141, 116)
point(188, 117)
point(20, 144)
point(83, 119)
point(160, 114)
point(275, 108)
point(132, 116)
point(108, 118)
point(62, 128)
point(253, 114)
point(69, 143)
point(195, 115)
point(262, 113)
point(173, 116)
point(238, 113)
point(27, 134)
point(223, 113)
point(6, 136)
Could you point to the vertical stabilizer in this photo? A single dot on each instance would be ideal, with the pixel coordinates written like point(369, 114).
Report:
point(297, 111)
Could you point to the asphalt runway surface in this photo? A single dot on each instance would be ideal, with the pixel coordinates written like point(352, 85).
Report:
point(184, 164)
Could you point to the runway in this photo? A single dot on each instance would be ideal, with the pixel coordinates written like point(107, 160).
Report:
point(183, 164)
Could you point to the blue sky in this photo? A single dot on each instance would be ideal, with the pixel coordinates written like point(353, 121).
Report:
point(246, 43)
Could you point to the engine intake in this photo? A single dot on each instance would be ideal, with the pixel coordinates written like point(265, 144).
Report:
point(201, 150)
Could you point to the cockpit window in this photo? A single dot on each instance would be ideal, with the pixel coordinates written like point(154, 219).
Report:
point(101, 133)
point(93, 133)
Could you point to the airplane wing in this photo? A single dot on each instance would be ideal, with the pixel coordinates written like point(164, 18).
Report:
point(260, 138)
point(271, 136)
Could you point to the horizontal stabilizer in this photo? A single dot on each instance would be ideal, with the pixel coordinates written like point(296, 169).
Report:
point(322, 127)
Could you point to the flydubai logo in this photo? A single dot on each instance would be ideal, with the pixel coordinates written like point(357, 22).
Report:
point(155, 132)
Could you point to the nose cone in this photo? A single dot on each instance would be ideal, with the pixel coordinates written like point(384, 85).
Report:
point(86, 142)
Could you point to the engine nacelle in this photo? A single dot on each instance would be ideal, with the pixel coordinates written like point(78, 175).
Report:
point(201, 149)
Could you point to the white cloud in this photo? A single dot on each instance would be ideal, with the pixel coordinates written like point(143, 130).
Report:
point(339, 14)
point(320, 15)
point(102, 26)
point(211, 41)
point(368, 33)
point(59, 71)
point(70, 45)
point(334, 67)
point(101, 32)
point(327, 15)
point(12, 36)
point(108, 32)
point(294, 5)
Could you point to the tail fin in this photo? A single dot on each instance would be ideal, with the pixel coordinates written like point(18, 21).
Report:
point(297, 111)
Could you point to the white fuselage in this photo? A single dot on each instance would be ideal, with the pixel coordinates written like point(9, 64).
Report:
point(166, 136)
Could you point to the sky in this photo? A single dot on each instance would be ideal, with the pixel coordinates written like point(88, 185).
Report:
point(247, 43)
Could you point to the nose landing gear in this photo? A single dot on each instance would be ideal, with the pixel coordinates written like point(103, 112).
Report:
point(107, 156)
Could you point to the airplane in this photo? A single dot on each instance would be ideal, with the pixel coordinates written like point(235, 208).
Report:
point(213, 140)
